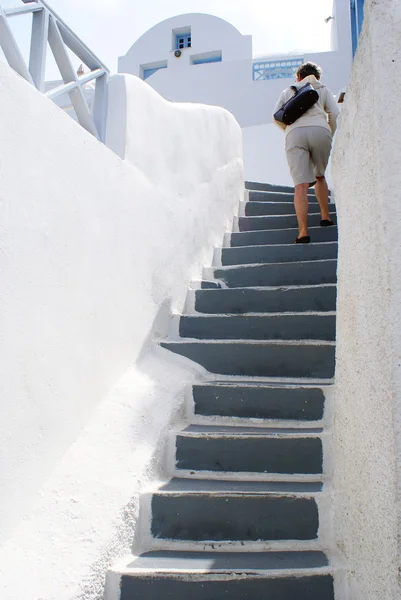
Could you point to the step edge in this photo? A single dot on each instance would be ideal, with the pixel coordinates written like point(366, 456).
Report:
point(271, 287)
point(273, 385)
point(315, 214)
point(254, 476)
point(301, 342)
point(311, 228)
point(296, 262)
point(288, 245)
point(312, 496)
point(283, 203)
point(250, 435)
point(158, 544)
point(322, 313)
point(236, 573)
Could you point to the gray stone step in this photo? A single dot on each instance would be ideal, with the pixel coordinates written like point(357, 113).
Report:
point(282, 236)
point(209, 285)
point(265, 300)
point(301, 326)
point(232, 575)
point(254, 208)
point(269, 187)
point(277, 196)
point(195, 484)
point(278, 207)
point(287, 197)
point(294, 273)
point(225, 562)
point(259, 401)
point(278, 222)
point(247, 255)
point(238, 451)
point(221, 515)
point(260, 359)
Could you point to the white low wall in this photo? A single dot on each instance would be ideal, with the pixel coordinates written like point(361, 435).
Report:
point(366, 168)
point(95, 253)
point(264, 155)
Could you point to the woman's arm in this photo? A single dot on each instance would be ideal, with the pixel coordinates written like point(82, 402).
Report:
point(331, 108)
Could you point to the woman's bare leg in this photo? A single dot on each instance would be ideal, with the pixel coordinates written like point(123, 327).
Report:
point(301, 208)
point(322, 195)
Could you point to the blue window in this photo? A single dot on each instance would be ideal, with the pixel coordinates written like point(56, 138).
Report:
point(183, 41)
point(211, 57)
point(148, 71)
point(276, 69)
point(356, 21)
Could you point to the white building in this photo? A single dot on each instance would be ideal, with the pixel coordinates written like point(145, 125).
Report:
point(202, 58)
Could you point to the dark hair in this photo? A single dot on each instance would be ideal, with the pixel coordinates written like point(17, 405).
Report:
point(309, 68)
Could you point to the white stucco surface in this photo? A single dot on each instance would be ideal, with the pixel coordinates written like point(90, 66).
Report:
point(266, 145)
point(95, 254)
point(367, 424)
point(208, 34)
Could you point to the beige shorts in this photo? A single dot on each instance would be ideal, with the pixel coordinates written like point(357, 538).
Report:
point(308, 150)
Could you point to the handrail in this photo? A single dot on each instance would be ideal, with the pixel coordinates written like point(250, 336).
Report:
point(48, 27)
point(65, 88)
point(31, 6)
point(71, 34)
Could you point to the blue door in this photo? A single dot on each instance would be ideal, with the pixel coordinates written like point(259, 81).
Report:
point(356, 21)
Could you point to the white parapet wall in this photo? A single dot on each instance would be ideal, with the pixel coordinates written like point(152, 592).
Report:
point(266, 145)
point(366, 168)
point(96, 253)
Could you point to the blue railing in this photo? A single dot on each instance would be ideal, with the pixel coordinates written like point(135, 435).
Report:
point(276, 69)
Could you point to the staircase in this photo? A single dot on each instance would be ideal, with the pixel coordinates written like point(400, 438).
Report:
point(247, 511)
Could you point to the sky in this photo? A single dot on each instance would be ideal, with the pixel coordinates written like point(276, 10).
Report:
point(110, 27)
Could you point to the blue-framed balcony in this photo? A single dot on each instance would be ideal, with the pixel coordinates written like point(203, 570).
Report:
point(276, 69)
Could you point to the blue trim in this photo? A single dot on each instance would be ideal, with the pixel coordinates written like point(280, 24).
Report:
point(360, 14)
point(202, 61)
point(354, 33)
point(148, 72)
point(183, 41)
point(357, 15)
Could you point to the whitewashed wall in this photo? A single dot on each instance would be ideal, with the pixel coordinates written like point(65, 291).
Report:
point(208, 34)
point(367, 427)
point(266, 145)
point(95, 254)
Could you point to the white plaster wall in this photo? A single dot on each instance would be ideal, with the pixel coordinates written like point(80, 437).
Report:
point(95, 254)
point(264, 152)
point(367, 183)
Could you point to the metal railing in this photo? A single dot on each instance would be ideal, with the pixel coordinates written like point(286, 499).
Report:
point(47, 27)
point(276, 69)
